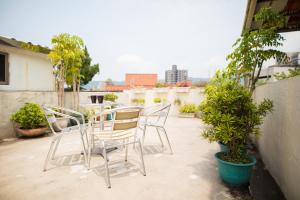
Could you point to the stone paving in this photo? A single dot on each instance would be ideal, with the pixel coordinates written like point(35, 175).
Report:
point(190, 173)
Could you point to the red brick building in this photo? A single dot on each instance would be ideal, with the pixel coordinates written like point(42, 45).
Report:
point(135, 81)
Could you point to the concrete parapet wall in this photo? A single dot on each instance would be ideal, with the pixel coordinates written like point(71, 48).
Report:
point(279, 142)
point(10, 102)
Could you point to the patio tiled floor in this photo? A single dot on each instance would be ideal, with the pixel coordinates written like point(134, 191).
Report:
point(190, 173)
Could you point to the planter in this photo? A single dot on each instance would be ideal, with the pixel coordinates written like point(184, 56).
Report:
point(100, 98)
point(61, 123)
point(31, 132)
point(223, 147)
point(233, 173)
point(186, 115)
point(93, 98)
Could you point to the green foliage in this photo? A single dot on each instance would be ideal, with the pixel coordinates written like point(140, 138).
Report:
point(30, 116)
point(87, 70)
point(139, 101)
point(110, 97)
point(66, 56)
point(35, 48)
point(157, 100)
point(188, 108)
point(283, 75)
point(177, 102)
point(255, 47)
point(232, 114)
point(160, 85)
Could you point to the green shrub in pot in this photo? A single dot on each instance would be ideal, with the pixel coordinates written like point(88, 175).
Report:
point(188, 108)
point(157, 100)
point(30, 120)
point(233, 115)
point(110, 97)
point(30, 116)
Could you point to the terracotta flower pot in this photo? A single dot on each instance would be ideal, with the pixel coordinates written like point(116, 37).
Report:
point(31, 132)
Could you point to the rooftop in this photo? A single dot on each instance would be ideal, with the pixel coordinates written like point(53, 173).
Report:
point(190, 172)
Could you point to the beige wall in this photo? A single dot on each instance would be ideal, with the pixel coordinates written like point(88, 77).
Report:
point(11, 101)
point(279, 142)
point(28, 71)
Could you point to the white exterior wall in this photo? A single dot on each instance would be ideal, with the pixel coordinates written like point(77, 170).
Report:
point(279, 141)
point(28, 71)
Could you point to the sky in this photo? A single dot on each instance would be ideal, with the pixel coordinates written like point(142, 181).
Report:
point(137, 36)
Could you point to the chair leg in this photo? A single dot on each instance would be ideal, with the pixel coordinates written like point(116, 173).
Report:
point(162, 144)
point(89, 154)
point(55, 147)
point(48, 155)
point(171, 151)
point(134, 138)
point(84, 149)
point(144, 134)
point(106, 166)
point(142, 157)
point(126, 150)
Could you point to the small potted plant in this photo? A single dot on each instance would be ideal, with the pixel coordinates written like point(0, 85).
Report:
point(188, 110)
point(157, 100)
point(233, 117)
point(110, 97)
point(138, 101)
point(30, 120)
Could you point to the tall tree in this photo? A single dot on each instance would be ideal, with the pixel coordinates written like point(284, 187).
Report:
point(87, 71)
point(255, 47)
point(66, 56)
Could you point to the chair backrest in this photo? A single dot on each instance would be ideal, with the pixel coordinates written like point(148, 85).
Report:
point(162, 114)
point(54, 114)
point(52, 118)
point(126, 118)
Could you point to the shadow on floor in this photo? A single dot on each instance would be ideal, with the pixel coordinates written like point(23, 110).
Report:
point(207, 169)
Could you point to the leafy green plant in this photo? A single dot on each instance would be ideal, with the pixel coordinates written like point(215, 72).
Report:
point(157, 100)
point(289, 74)
point(30, 116)
point(139, 101)
point(87, 70)
point(110, 97)
point(66, 56)
point(255, 47)
point(160, 85)
point(233, 115)
point(177, 102)
point(188, 108)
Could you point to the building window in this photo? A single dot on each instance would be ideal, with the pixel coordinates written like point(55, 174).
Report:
point(3, 68)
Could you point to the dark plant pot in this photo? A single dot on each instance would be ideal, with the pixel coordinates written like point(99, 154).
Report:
point(100, 98)
point(223, 147)
point(233, 173)
point(31, 132)
point(93, 98)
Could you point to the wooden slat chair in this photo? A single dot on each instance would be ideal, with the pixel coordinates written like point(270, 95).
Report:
point(51, 114)
point(122, 132)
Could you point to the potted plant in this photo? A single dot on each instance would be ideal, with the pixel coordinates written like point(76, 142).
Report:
point(30, 120)
point(157, 100)
point(110, 97)
point(188, 110)
point(138, 101)
point(234, 116)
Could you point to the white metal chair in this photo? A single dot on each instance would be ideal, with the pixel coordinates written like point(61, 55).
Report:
point(51, 113)
point(159, 114)
point(122, 132)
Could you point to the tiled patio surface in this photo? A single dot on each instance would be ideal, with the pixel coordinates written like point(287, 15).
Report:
point(190, 173)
